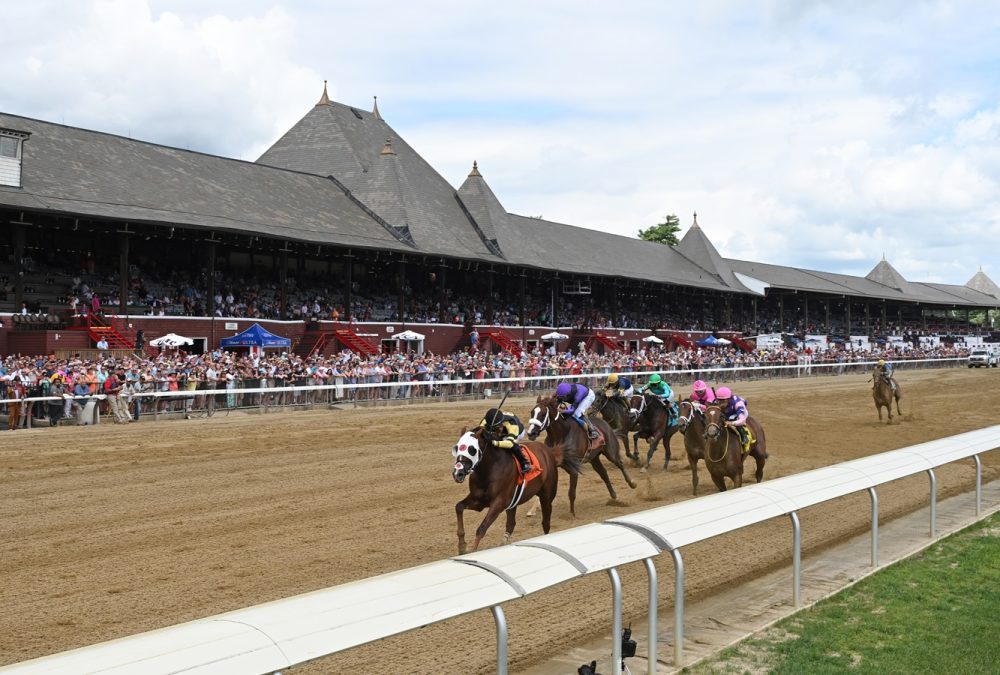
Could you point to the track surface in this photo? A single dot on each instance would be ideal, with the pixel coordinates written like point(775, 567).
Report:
point(109, 531)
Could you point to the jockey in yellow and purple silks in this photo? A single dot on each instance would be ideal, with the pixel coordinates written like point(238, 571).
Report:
point(734, 409)
point(505, 431)
point(575, 399)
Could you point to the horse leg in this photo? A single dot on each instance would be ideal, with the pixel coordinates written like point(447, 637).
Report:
point(495, 509)
point(759, 457)
point(693, 463)
point(572, 494)
point(603, 473)
point(738, 475)
point(878, 408)
point(546, 512)
point(459, 511)
point(666, 446)
point(719, 480)
point(534, 508)
point(511, 522)
point(617, 461)
point(653, 442)
point(898, 409)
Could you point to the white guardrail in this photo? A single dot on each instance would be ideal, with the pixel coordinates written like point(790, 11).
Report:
point(276, 635)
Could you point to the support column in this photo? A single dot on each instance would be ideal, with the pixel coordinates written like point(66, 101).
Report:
point(348, 285)
point(283, 284)
point(885, 321)
point(401, 290)
point(868, 318)
point(828, 327)
point(210, 271)
point(18, 266)
point(614, 303)
point(123, 245)
point(781, 313)
point(756, 326)
point(847, 302)
point(805, 312)
point(555, 302)
point(522, 293)
point(489, 296)
point(442, 295)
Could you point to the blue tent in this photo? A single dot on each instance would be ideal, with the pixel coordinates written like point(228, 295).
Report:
point(710, 341)
point(256, 336)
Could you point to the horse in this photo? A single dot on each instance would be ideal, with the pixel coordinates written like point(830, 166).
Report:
point(724, 453)
point(615, 412)
point(653, 423)
point(493, 482)
point(882, 392)
point(691, 423)
point(545, 416)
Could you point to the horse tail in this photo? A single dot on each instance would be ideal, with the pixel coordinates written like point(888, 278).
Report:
point(567, 460)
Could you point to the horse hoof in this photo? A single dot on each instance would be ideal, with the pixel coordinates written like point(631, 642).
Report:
point(642, 470)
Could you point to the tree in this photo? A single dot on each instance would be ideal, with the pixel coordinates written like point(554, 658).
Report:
point(664, 233)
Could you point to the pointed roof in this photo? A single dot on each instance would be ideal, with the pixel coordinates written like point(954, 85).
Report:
point(325, 98)
point(486, 211)
point(885, 274)
point(347, 143)
point(696, 247)
point(982, 283)
point(375, 112)
point(387, 191)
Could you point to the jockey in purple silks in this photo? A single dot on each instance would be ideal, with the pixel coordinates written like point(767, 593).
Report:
point(575, 399)
point(734, 409)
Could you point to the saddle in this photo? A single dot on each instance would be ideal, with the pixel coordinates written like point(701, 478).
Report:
point(536, 467)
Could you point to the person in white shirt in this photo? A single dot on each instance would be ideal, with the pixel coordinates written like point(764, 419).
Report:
point(102, 343)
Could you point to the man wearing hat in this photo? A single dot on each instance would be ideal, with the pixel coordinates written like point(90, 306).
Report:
point(504, 430)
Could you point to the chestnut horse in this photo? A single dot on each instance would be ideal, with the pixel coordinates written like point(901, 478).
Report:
point(493, 483)
point(723, 452)
point(653, 422)
point(882, 392)
point(691, 423)
point(545, 416)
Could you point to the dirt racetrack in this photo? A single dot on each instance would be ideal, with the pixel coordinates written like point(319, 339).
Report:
point(109, 531)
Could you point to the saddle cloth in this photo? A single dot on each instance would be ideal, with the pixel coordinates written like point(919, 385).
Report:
point(536, 467)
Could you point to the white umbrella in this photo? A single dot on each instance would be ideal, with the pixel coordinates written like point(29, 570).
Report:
point(408, 335)
point(652, 338)
point(171, 340)
point(724, 341)
point(553, 336)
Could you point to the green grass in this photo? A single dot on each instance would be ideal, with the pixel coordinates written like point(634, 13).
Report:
point(938, 612)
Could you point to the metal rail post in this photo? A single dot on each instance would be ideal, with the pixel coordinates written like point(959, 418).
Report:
point(979, 485)
point(501, 622)
point(653, 612)
point(678, 608)
point(796, 559)
point(874, 496)
point(616, 622)
point(930, 474)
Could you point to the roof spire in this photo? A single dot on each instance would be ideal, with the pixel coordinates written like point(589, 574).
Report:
point(324, 99)
point(694, 225)
point(375, 112)
point(475, 170)
point(387, 148)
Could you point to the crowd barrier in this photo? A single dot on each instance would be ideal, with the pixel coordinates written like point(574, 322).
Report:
point(277, 635)
point(208, 398)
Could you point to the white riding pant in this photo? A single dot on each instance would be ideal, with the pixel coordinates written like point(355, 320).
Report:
point(581, 409)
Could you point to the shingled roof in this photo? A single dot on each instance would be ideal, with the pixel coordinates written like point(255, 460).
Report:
point(70, 170)
point(336, 140)
point(696, 247)
point(983, 284)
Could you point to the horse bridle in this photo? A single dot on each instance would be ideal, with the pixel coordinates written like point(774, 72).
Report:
point(635, 412)
point(541, 424)
point(684, 421)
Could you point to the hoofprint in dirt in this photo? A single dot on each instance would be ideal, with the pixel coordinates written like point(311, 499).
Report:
point(110, 530)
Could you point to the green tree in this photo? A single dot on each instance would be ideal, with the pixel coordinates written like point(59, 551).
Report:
point(664, 233)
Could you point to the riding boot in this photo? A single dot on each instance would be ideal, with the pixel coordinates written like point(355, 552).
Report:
point(522, 460)
point(744, 439)
point(591, 430)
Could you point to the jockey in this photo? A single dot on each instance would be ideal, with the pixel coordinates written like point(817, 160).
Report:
point(702, 394)
point(618, 386)
point(659, 388)
point(886, 369)
point(734, 409)
point(505, 430)
point(574, 400)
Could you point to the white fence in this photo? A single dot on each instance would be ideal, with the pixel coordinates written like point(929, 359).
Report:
point(269, 637)
point(208, 398)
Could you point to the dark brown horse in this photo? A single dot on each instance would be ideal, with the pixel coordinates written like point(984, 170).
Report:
point(562, 430)
point(614, 410)
point(493, 482)
point(884, 393)
point(653, 423)
point(724, 453)
point(691, 423)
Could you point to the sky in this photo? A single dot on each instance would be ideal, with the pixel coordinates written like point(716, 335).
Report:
point(810, 133)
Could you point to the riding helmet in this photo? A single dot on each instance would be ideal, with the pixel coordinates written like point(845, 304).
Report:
point(723, 392)
point(655, 378)
point(493, 417)
point(699, 385)
point(564, 389)
point(613, 378)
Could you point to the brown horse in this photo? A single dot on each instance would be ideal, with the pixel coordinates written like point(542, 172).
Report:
point(724, 453)
point(883, 393)
point(691, 423)
point(545, 416)
point(614, 410)
point(653, 423)
point(493, 482)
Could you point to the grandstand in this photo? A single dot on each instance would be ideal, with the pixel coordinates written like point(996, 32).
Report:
point(341, 227)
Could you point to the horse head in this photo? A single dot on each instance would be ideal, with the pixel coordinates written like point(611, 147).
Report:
point(468, 452)
point(636, 404)
point(542, 415)
point(715, 422)
point(686, 410)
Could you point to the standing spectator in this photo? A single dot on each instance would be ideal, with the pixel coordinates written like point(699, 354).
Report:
point(140, 341)
point(95, 304)
point(102, 344)
point(15, 392)
point(474, 340)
